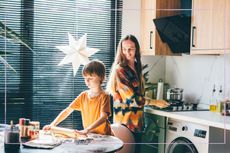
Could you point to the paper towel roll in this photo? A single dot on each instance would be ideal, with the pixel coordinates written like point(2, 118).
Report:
point(160, 90)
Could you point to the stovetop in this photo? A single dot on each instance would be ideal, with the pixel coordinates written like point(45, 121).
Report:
point(176, 106)
point(176, 109)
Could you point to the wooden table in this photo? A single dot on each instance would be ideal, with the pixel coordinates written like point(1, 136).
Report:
point(99, 144)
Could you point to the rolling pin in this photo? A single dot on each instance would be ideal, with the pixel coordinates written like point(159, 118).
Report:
point(64, 131)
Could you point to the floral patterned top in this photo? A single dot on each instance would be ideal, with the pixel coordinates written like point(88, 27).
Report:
point(128, 98)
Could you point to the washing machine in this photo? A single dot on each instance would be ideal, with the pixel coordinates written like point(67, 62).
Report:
point(186, 137)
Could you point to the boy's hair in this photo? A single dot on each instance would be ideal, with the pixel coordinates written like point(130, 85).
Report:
point(94, 67)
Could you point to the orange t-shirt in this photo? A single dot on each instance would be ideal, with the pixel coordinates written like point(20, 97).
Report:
point(91, 109)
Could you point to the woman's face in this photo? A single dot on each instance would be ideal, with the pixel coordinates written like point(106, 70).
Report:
point(129, 50)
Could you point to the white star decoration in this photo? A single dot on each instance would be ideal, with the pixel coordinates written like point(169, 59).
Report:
point(76, 52)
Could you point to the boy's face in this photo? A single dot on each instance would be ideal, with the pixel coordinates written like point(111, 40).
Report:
point(92, 81)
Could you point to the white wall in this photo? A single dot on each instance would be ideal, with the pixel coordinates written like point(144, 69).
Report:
point(197, 75)
point(157, 66)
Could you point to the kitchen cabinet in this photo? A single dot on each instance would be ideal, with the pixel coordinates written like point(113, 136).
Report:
point(151, 43)
point(148, 13)
point(154, 135)
point(210, 25)
point(210, 32)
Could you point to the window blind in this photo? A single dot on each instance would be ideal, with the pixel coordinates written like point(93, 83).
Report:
point(44, 87)
point(10, 15)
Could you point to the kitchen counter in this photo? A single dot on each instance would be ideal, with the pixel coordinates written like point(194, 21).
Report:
point(201, 117)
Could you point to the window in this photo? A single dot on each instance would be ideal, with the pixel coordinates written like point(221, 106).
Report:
point(40, 89)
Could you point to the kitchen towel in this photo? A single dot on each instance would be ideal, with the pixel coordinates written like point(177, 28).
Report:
point(160, 89)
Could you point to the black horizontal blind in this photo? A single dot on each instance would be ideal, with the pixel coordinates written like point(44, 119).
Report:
point(10, 15)
point(47, 88)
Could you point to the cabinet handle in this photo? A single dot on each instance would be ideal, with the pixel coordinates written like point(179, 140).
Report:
point(193, 33)
point(150, 44)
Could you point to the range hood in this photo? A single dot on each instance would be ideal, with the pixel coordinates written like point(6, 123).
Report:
point(175, 31)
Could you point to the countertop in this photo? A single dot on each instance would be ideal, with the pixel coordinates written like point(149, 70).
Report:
point(213, 119)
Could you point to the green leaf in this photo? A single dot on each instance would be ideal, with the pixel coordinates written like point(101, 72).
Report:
point(7, 64)
point(8, 33)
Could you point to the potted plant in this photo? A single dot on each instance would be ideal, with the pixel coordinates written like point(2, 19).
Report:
point(10, 35)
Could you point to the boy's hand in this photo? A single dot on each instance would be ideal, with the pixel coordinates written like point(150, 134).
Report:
point(46, 127)
point(82, 132)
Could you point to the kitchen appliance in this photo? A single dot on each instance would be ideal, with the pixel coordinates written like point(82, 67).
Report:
point(175, 31)
point(176, 106)
point(175, 99)
point(175, 94)
point(187, 137)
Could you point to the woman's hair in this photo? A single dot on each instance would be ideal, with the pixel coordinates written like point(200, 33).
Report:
point(120, 59)
point(94, 67)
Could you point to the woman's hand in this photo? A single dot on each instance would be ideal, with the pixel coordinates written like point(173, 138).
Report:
point(157, 103)
point(160, 103)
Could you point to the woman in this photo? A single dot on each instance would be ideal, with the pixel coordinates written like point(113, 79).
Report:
point(127, 87)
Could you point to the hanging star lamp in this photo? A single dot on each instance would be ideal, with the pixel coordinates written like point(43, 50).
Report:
point(76, 52)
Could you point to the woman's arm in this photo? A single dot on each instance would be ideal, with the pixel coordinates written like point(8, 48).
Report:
point(103, 117)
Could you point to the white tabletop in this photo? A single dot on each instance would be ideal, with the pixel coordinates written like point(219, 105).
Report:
point(100, 143)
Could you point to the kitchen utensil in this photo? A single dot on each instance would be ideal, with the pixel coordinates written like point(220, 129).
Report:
point(175, 94)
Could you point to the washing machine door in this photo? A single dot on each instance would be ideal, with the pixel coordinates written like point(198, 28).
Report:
point(181, 145)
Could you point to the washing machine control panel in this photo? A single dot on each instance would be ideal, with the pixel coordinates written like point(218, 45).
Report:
point(184, 128)
point(200, 133)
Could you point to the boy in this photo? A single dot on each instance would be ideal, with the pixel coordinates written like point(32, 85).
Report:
point(94, 103)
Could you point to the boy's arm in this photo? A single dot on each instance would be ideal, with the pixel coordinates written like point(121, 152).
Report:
point(103, 117)
point(62, 116)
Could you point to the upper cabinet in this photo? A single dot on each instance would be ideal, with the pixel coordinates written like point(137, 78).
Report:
point(151, 41)
point(202, 27)
point(210, 27)
point(148, 13)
